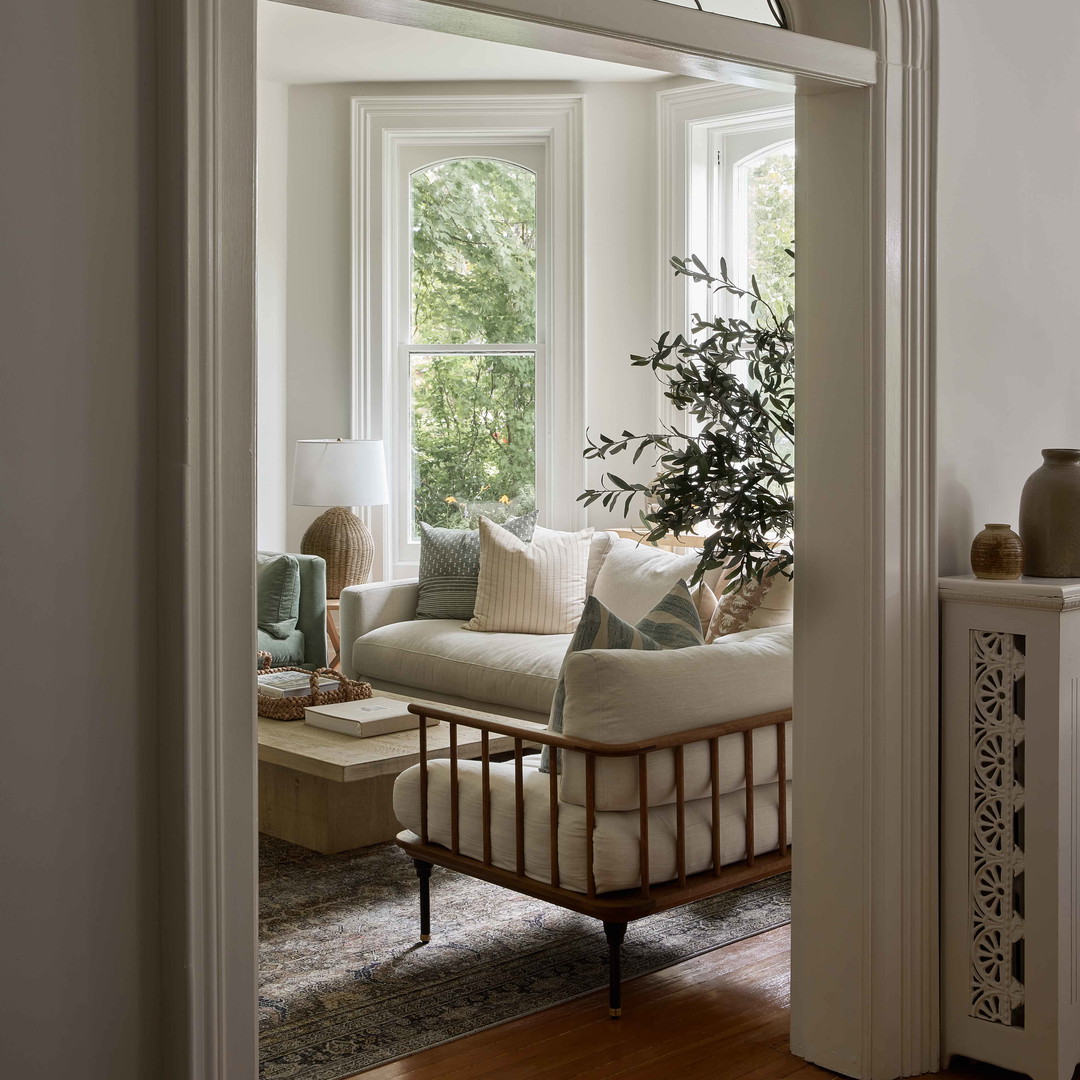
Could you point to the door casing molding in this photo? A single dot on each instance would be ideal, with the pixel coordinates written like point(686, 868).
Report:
point(865, 947)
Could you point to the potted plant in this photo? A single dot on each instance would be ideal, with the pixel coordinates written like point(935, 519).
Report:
point(734, 466)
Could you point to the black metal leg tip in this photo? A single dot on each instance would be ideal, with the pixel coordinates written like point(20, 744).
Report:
point(425, 938)
point(615, 1013)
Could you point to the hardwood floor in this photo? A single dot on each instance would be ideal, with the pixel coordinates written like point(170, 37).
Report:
point(720, 1016)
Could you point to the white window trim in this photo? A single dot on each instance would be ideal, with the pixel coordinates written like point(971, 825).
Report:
point(690, 126)
point(381, 128)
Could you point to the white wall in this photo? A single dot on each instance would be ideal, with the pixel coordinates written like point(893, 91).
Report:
point(273, 458)
point(1008, 273)
point(79, 933)
point(621, 257)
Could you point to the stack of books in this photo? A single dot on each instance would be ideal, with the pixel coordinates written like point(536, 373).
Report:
point(361, 719)
point(291, 684)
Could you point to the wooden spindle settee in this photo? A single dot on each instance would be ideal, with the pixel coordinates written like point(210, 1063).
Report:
point(679, 811)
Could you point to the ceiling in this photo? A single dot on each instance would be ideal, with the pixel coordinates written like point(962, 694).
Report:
point(301, 45)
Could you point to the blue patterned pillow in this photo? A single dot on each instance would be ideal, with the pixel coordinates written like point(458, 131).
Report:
point(673, 623)
point(450, 567)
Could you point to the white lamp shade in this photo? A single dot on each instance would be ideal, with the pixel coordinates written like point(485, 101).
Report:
point(339, 472)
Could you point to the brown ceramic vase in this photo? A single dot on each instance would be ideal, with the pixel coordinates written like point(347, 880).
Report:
point(1050, 516)
point(997, 554)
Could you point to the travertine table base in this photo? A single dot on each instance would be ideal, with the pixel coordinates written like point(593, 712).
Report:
point(331, 792)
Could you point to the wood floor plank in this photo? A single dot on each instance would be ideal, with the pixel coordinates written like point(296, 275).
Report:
point(720, 1016)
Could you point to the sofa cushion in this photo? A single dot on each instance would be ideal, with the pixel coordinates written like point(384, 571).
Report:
point(672, 624)
point(284, 652)
point(776, 608)
point(599, 546)
point(277, 587)
point(450, 565)
point(516, 670)
point(635, 576)
point(616, 847)
point(530, 588)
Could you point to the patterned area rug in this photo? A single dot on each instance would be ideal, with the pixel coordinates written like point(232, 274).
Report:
point(345, 985)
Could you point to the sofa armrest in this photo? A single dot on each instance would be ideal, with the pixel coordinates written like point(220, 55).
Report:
point(366, 607)
point(625, 695)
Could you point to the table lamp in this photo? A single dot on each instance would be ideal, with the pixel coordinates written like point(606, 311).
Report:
point(339, 473)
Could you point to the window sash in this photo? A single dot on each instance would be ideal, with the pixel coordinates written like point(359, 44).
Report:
point(403, 441)
point(525, 152)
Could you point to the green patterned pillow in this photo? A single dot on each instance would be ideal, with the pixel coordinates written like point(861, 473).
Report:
point(673, 623)
point(450, 567)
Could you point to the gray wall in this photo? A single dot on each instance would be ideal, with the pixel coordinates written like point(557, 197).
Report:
point(272, 452)
point(1007, 269)
point(78, 800)
point(619, 165)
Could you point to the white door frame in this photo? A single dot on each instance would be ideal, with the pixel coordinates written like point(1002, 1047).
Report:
point(865, 951)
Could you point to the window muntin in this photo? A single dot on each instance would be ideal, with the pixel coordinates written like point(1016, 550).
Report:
point(472, 284)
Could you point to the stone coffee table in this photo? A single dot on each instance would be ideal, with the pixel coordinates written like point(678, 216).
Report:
point(332, 792)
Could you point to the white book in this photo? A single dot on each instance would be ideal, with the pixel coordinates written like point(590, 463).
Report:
point(361, 719)
point(291, 684)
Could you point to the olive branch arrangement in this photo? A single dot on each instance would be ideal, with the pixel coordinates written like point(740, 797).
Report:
point(735, 466)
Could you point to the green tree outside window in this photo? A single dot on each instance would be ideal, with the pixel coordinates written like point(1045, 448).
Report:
point(473, 282)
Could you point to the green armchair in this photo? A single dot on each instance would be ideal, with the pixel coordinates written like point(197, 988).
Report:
point(302, 644)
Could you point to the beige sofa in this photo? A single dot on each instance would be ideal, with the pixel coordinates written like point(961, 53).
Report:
point(510, 674)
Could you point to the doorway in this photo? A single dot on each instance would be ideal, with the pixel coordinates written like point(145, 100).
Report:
point(864, 676)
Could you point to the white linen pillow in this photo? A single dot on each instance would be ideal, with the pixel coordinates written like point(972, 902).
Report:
point(633, 577)
point(534, 588)
point(599, 546)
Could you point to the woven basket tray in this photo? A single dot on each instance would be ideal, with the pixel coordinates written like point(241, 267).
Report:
point(292, 708)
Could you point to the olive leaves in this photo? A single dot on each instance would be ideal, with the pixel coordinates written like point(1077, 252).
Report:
point(734, 467)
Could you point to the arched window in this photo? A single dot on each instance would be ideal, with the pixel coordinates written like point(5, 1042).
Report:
point(728, 193)
point(471, 351)
point(763, 221)
point(762, 11)
point(468, 329)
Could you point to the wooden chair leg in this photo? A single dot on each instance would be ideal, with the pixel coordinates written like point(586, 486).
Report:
point(423, 872)
point(615, 932)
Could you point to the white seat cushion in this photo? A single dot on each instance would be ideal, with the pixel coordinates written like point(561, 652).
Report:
point(516, 670)
point(615, 839)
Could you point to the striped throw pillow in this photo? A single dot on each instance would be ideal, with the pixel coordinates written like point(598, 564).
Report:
point(673, 623)
point(536, 588)
point(450, 565)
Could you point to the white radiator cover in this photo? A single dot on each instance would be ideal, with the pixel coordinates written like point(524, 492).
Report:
point(1011, 823)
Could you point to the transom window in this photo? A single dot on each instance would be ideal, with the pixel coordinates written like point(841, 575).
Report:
point(762, 11)
point(472, 341)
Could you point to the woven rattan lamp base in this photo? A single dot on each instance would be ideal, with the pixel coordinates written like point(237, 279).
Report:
point(345, 542)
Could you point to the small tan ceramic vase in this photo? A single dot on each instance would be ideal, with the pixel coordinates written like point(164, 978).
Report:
point(997, 554)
